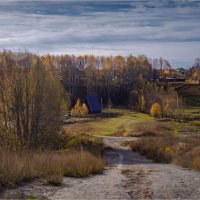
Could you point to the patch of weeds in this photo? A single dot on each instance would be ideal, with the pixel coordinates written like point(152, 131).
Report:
point(32, 197)
point(87, 142)
point(17, 195)
point(183, 151)
point(125, 143)
point(55, 179)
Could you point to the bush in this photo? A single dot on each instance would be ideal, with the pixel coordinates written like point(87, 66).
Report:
point(79, 109)
point(155, 110)
point(84, 109)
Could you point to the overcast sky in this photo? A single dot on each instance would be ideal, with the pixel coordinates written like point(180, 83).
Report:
point(156, 28)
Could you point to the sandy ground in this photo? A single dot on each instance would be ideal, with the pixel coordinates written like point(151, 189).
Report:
point(129, 176)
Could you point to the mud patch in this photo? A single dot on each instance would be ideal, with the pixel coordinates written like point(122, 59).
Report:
point(137, 184)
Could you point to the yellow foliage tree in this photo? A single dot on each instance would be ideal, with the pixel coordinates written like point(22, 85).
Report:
point(155, 110)
point(143, 103)
point(78, 105)
point(166, 72)
point(79, 109)
point(84, 109)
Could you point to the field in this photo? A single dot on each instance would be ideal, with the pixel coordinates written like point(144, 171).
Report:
point(122, 122)
point(163, 140)
point(171, 140)
point(117, 122)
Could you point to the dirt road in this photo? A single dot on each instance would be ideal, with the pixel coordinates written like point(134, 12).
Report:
point(129, 176)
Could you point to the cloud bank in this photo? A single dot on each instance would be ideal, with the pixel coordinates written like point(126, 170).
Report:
point(156, 28)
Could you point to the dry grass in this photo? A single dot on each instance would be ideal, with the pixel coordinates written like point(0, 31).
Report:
point(149, 129)
point(17, 167)
point(184, 151)
point(118, 122)
point(82, 164)
point(152, 148)
point(142, 129)
point(196, 163)
point(87, 142)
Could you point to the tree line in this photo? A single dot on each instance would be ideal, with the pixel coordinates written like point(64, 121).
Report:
point(111, 78)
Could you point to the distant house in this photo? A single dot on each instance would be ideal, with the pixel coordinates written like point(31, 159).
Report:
point(93, 104)
point(181, 70)
point(169, 75)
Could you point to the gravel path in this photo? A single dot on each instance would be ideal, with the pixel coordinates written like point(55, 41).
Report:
point(132, 176)
point(129, 176)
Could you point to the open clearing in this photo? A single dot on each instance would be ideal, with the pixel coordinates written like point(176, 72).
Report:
point(129, 176)
point(118, 122)
point(122, 122)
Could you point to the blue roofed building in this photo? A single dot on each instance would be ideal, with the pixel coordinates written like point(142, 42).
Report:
point(93, 104)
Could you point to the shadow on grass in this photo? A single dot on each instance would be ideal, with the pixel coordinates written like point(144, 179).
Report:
point(90, 117)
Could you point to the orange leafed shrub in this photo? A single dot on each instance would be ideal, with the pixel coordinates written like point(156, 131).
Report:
point(84, 109)
point(155, 110)
point(79, 109)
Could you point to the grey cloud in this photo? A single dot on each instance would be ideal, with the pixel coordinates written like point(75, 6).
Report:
point(162, 31)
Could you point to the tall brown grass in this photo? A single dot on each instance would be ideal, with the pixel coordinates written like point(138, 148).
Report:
point(149, 129)
point(184, 151)
point(87, 142)
point(16, 167)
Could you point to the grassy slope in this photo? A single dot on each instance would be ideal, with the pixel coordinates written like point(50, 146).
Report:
point(121, 124)
point(126, 122)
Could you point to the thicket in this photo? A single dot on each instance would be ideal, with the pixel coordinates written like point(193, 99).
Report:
point(32, 102)
point(157, 100)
